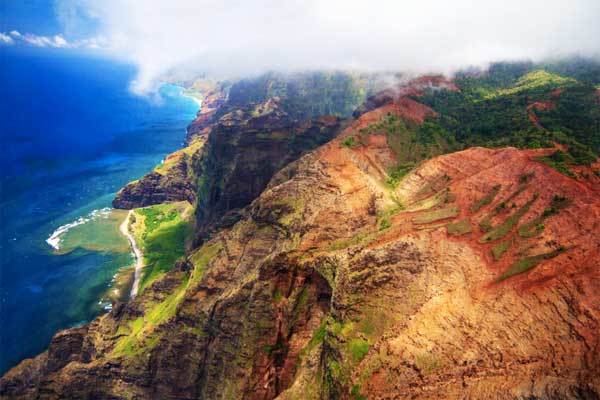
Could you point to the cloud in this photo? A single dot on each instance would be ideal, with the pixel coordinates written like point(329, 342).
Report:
point(243, 37)
point(56, 41)
point(6, 39)
point(45, 41)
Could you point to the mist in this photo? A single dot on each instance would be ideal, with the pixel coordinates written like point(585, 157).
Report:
point(239, 38)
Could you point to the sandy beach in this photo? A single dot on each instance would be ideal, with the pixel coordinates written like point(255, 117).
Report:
point(139, 259)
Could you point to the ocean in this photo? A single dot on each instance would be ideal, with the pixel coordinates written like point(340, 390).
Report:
point(71, 135)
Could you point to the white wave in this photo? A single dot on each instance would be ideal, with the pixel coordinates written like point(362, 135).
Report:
point(189, 96)
point(56, 237)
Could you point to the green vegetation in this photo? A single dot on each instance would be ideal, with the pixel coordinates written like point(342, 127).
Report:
point(200, 259)
point(154, 216)
point(305, 95)
point(536, 226)
point(291, 210)
point(398, 172)
point(499, 249)
point(139, 335)
point(412, 143)
point(351, 341)
point(358, 349)
point(501, 230)
point(384, 224)
point(531, 229)
point(350, 141)
point(355, 393)
point(459, 228)
point(558, 203)
point(434, 186)
point(427, 363)
point(359, 238)
point(478, 205)
point(491, 109)
point(535, 82)
point(269, 349)
point(318, 335)
point(161, 232)
point(527, 263)
point(277, 296)
point(442, 197)
point(436, 215)
point(485, 225)
point(559, 161)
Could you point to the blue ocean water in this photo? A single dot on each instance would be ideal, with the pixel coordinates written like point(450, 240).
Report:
point(71, 135)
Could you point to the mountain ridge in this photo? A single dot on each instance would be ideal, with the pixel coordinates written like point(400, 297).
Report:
point(386, 258)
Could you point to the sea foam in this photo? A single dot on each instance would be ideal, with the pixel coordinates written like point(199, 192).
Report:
point(55, 239)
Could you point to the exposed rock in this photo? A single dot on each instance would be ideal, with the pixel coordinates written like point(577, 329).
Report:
point(154, 188)
point(174, 180)
point(214, 96)
point(66, 346)
point(244, 150)
point(414, 87)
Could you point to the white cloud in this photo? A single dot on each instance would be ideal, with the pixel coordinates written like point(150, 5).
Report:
point(56, 41)
point(241, 37)
point(5, 39)
point(45, 41)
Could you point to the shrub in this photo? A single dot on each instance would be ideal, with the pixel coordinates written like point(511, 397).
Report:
point(358, 349)
point(525, 264)
point(501, 248)
point(385, 224)
point(350, 141)
point(559, 161)
point(459, 228)
point(398, 172)
point(486, 200)
point(502, 229)
point(431, 216)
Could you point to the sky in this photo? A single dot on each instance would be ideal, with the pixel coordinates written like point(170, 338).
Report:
point(242, 37)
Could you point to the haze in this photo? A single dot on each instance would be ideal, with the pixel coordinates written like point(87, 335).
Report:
point(230, 37)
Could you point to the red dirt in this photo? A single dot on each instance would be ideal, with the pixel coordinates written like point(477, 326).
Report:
point(539, 106)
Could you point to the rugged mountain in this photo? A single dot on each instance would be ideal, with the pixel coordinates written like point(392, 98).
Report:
point(393, 261)
point(249, 133)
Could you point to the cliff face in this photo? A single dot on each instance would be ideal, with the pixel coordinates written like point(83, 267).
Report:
point(229, 160)
point(244, 149)
point(360, 270)
point(174, 180)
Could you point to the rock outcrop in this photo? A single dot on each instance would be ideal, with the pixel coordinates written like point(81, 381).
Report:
point(244, 150)
point(178, 183)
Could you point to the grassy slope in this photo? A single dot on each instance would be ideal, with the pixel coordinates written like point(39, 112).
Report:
point(138, 336)
point(161, 232)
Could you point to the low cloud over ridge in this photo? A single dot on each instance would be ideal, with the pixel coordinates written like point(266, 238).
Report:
point(243, 37)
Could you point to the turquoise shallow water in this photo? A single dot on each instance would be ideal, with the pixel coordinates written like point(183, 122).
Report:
point(72, 135)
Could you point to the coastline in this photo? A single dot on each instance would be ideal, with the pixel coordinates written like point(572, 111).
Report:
point(196, 96)
point(66, 262)
point(138, 255)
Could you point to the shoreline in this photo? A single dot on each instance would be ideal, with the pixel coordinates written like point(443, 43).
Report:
point(197, 100)
point(185, 93)
point(138, 255)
